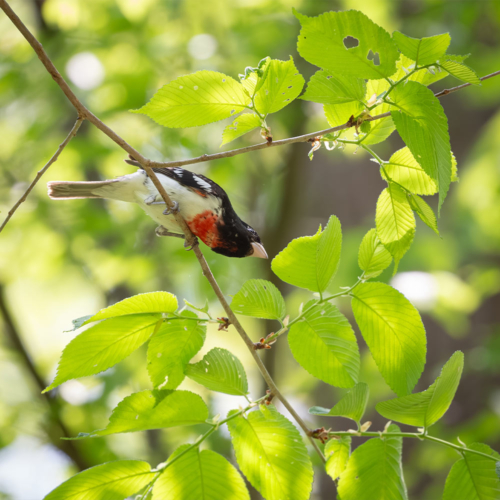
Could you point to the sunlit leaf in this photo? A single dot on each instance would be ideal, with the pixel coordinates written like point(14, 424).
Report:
point(422, 50)
point(220, 371)
point(328, 87)
point(424, 211)
point(460, 71)
point(423, 409)
point(260, 299)
point(110, 481)
point(373, 257)
point(337, 451)
point(196, 99)
point(380, 129)
point(394, 332)
point(339, 114)
point(241, 125)
point(272, 455)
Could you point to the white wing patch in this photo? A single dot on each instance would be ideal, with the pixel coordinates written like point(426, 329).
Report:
point(203, 184)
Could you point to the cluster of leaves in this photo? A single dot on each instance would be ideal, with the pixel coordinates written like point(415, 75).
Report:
point(381, 73)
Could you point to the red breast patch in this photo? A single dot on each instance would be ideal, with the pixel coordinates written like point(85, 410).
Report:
point(204, 226)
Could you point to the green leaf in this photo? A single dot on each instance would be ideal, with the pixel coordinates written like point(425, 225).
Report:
point(373, 257)
point(473, 477)
point(374, 470)
point(460, 71)
point(383, 128)
point(426, 408)
point(154, 409)
point(324, 344)
point(395, 221)
point(79, 322)
point(171, 349)
point(423, 76)
point(283, 84)
point(254, 78)
point(394, 332)
point(339, 114)
point(199, 475)
point(352, 405)
point(423, 51)
point(321, 42)
point(337, 451)
point(203, 309)
point(197, 99)
point(260, 299)
point(405, 170)
point(327, 87)
point(103, 345)
point(424, 211)
point(422, 123)
point(241, 125)
point(311, 261)
point(110, 481)
point(220, 371)
point(272, 455)
point(154, 302)
point(498, 469)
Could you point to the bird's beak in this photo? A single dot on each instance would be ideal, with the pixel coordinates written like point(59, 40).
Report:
point(258, 251)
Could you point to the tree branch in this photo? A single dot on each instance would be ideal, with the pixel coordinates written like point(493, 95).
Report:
point(39, 174)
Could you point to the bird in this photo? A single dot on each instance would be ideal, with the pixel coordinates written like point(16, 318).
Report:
point(202, 203)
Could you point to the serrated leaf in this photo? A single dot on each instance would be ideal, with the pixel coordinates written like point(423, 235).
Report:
point(422, 123)
point(272, 455)
point(241, 125)
point(405, 170)
point(424, 211)
point(110, 481)
point(327, 87)
point(321, 42)
point(220, 371)
point(171, 349)
point(252, 81)
point(352, 405)
point(460, 71)
point(373, 257)
point(423, 51)
point(383, 128)
point(422, 76)
point(395, 221)
point(337, 451)
point(197, 99)
point(154, 410)
point(154, 302)
point(473, 477)
point(424, 409)
point(375, 470)
point(283, 84)
point(311, 261)
point(393, 330)
point(260, 299)
point(103, 345)
point(199, 475)
point(324, 344)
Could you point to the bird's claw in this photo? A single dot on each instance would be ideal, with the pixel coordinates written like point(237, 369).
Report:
point(189, 247)
point(172, 210)
point(162, 231)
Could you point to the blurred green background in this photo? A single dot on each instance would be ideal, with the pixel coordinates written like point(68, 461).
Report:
point(63, 260)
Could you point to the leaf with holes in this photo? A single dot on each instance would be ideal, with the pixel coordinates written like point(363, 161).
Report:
point(154, 409)
point(394, 332)
point(241, 125)
point(375, 471)
point(220, 371)
point(424, 409)
point(423, 51)
point(473, 477)
point(283, 84)
point(395, 221)
point(352, 405)
point(103, 345)
point(272, 455)
point(459, 70)
point(311, 261)
point(324, 344)
point(111, 481)
point(172, 347)
point(327, 87)
point(422, 124)
point(200, 475)
point(154, 302)
point(337, 451)
point(260, 299)
point(197, 99)
point(322, 41)
point(373, 257)
point(424, 211)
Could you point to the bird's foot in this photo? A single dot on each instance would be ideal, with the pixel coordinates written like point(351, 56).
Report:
point(172, 210)
point(188, 246)
point(161, 231)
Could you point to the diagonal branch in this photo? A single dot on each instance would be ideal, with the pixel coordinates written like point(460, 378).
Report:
point(39, 174)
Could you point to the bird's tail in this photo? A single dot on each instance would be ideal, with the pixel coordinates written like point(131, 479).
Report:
point(66, 190)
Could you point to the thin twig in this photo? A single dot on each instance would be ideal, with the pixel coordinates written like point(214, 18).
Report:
point(39, 174)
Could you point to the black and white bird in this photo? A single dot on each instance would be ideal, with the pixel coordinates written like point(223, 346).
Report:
point(203, 204)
